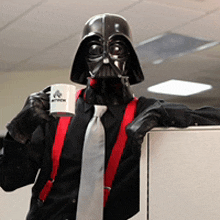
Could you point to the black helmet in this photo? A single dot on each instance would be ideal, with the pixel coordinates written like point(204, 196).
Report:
point(105, 27)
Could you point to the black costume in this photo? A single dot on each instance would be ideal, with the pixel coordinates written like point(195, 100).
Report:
point(25, 153)
point(21, 163)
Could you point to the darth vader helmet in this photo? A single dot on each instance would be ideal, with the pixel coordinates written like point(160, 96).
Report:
point(106, 51)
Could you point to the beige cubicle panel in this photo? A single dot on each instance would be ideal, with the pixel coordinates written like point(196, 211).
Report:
point(15, 205)
point(180, 174)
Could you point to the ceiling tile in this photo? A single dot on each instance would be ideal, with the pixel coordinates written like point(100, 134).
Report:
point(148, 19)
point(197, 5)
point(58, 57)
point(206, 27)
point(10, 10)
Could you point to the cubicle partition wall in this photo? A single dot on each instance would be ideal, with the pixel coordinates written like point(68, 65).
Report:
point(180, 174)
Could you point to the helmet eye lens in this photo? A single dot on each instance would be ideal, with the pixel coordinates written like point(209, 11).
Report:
point(118, 50)
point(95, 50)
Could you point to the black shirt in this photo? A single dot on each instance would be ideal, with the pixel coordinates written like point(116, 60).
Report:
point(20, 163)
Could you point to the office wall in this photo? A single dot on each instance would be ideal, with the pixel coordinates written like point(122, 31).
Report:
point(16, 86)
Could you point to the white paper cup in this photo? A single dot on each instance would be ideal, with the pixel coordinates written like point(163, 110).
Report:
point(62, 100)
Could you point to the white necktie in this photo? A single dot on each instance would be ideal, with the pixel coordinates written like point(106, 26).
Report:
point(90, 199)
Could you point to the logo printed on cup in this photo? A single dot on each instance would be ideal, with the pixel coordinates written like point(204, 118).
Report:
point(58, 97)
point(57, 94)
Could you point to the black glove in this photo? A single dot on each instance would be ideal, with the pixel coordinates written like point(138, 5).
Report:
point(34, 113)
point(137, 130)
point(144, 122)
point(161, 114)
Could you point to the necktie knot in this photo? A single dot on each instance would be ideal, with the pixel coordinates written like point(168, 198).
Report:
point(99, 110)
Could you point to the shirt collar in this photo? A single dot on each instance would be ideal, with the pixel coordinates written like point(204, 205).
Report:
point(113, 109)
point(116, 109)
point(87, 106)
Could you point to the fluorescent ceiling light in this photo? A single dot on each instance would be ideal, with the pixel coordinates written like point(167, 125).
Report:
point(179, 88)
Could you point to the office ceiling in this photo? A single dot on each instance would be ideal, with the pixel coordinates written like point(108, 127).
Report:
point(44, 34)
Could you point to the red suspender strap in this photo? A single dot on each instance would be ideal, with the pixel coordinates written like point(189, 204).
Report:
point(78, 93)
point(118, 149)
point(56, 153)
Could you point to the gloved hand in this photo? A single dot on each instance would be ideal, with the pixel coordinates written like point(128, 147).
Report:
point(159, 114)
point(144, 122)
point(141, 125)
point(34, 113)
